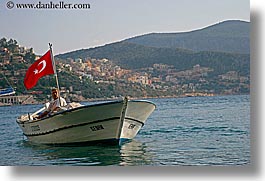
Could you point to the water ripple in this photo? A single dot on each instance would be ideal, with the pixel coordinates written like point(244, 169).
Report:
point(181, 131)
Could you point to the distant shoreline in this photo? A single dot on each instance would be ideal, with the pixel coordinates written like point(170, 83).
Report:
point(150, 97)
point(131, 98)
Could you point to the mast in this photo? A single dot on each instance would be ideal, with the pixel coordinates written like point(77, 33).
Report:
point(6, 80)
point(55, 73)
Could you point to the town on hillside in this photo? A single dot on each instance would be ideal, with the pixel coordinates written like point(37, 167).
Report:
point(88, 78)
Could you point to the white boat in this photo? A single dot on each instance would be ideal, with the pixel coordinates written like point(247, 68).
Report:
point(7, 92)
point(113, 122)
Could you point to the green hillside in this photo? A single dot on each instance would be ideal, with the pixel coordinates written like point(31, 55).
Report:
point(133, 56)
point(214, 60)
point(223, 47)
point(229, 36)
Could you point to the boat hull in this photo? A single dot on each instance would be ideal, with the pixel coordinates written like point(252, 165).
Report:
point(114, 121)
point(7, 92)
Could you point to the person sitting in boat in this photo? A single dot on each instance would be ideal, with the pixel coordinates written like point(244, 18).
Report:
point(55, 105)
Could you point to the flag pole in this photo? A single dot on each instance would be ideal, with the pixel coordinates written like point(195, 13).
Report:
point(55, 73)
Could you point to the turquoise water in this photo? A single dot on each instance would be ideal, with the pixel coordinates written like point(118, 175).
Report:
point(181, 131)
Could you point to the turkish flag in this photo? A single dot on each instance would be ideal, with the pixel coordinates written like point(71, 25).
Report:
point(38, 69)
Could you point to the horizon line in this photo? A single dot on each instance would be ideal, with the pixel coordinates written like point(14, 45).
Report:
point(165, 32)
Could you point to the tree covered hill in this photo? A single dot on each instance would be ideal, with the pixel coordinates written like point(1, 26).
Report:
point(228, 36)
point(133, 56)
point(223, 47)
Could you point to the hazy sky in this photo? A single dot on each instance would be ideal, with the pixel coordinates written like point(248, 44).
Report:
point(111, 20)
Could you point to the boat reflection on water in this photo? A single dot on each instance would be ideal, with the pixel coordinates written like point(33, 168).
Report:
point(132, 153)
point(135, 153)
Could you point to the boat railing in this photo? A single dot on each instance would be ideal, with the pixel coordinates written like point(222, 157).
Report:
point(33, 116)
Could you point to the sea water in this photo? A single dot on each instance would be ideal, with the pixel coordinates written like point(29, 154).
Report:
point(181, 131)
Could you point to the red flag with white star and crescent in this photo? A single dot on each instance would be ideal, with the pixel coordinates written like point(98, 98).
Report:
point(38, 69)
